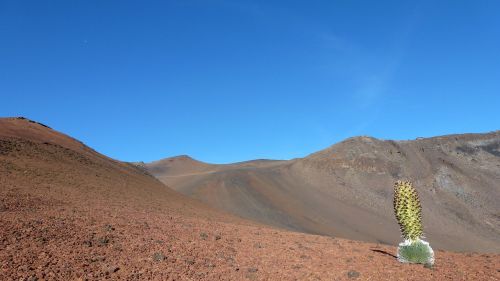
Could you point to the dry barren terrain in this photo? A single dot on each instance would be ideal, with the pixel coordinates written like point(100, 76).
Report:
point(70, 213)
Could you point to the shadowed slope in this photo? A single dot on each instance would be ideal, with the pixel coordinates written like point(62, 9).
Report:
point(346, 190)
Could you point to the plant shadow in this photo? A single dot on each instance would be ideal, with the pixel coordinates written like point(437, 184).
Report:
point(383, 252)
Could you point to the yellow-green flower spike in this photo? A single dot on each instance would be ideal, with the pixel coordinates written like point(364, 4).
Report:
point(408, 210)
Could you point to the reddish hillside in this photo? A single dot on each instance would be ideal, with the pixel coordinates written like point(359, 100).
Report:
point(69, 213)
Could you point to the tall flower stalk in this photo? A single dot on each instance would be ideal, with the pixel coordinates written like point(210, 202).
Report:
point(408, 212)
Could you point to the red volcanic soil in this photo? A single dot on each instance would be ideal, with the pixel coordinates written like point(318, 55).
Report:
point(69, 213)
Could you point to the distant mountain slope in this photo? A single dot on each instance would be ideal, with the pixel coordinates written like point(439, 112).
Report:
point(346, 189)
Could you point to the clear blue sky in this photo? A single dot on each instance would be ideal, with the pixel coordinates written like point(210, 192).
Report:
point(232, 80)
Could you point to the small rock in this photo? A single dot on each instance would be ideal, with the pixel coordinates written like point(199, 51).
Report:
point(98, 258)
point(353, 274)
point(112, 269)
point(109, 227)
point(217, 237)
point(203, 236)
point(158, 257)
point(103, 241)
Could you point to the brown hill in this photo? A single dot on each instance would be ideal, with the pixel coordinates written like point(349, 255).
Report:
point(69, 213)
point(346, 190)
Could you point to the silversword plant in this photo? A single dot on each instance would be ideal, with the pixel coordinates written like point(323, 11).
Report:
point(408, 213)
